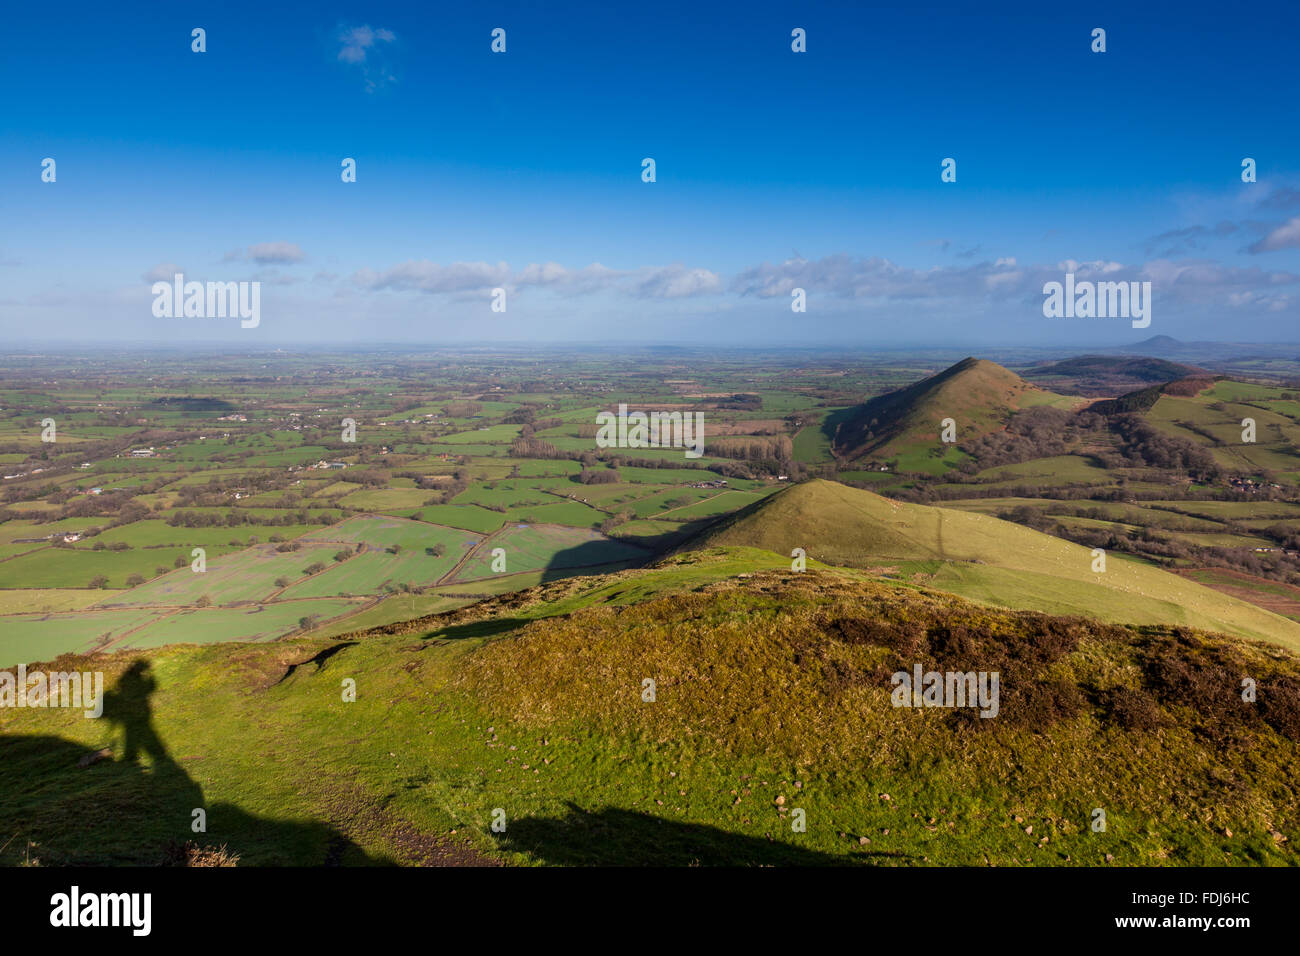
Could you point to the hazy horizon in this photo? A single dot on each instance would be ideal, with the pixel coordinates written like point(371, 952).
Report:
point(20, 347)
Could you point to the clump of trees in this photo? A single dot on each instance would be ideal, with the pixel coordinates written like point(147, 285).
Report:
point(599, 476)
point(524, 415)
point(1041, 432)
point(447, 490)
point(613, 521)
point(751, 448)
point(740, 403)
point(369, 477)
point(238, 517)
point(535, 448)
point(1145, 445)
point(461, 409)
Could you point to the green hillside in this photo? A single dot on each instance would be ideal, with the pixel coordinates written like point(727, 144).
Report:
point(984, 558)
point(905, 425)
point(1212, 417)
point(773, 696)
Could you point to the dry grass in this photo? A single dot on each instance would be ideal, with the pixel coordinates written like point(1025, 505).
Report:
point(191, 854)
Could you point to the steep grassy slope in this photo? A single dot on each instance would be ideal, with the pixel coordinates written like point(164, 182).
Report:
point(773, 696)
point(977, 394)
point(984, 558)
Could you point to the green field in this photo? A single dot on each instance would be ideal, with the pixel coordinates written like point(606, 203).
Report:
point(76, 568)
point(263, 623)
point(43, 637)
point(461, 516)
point(373, 571)
point(386, 499)
point(1058, 470)
point(247, 576)
point(540, 547)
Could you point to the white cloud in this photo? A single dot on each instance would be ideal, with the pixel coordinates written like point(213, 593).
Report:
point(426, 276)
point(273, 277)
point(1196, 282)
point(872, 282)
point(365, 48)
point(552, 275)
point(358, 41)
point(163, 272)
point(677, 282)
point(1196, 279)
point(667, 282)
point(280, 253)
point(267, 253)
point(1285, 236)
point(872, 278)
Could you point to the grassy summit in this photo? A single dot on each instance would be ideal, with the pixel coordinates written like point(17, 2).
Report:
point(984, 558)
point(977, 394)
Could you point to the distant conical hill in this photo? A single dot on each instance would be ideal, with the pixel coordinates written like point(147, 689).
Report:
point(981, 557)
point(977, 394)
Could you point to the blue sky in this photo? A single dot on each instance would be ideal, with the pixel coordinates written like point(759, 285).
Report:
point(774, 169)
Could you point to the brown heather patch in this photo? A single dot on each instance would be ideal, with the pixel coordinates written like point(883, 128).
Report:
point(799, 664)
point(1131, 709)
point(903, 637)
point(1019, 647)
point(1279, 705)
point(1186, 387)
point(1202, 675)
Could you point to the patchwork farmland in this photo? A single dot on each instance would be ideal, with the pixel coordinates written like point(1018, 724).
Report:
point(160, 514)
point(245, 514)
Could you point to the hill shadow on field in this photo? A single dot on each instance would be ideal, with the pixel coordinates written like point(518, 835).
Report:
point(830, 426)
point(615, 837)
point(597, 553)
point(652, 544)
point(64, 803)
point(581, 559)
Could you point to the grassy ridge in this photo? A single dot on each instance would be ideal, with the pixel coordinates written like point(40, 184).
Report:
point(984, 558)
